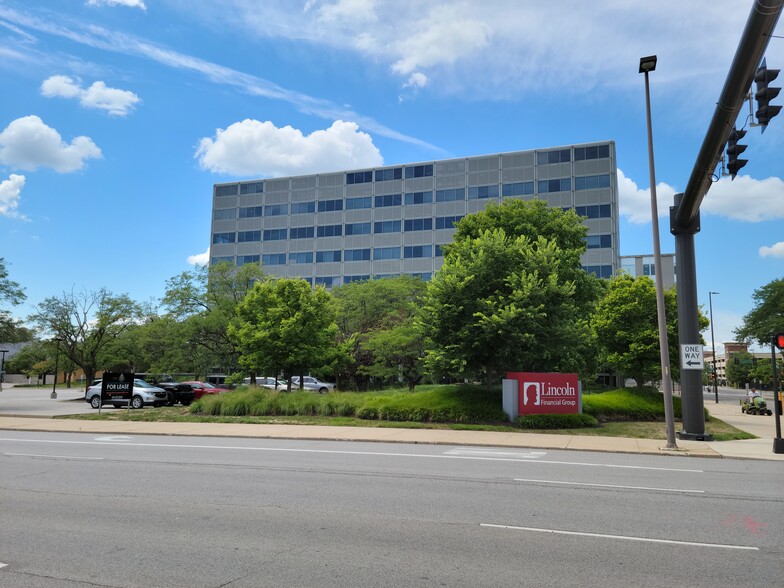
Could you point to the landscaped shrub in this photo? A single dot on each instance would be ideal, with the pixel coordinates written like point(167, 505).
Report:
point(557, 421)
point(629, 404)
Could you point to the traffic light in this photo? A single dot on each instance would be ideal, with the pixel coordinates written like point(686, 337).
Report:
point(733, 150)
point(778, 341)
point(765, 94)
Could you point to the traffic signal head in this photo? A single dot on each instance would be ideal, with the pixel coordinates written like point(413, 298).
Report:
point(765, 93)
point(733, 150)
point(778, 341)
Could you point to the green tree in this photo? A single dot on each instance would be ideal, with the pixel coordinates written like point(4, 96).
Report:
point(767, 316)
point(397, 353)
point(85, 324)
point(369, 308)
point(11, 329)
point(508, 302)
point(762, 372)
point(740, 369)
point(284, 326)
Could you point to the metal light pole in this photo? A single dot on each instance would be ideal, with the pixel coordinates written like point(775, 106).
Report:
point(56, 366)
point(648, 64)
point(713, 345)
point(2, 371)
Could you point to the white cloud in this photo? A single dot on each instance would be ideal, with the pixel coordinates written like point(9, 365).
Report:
point(635, 203)
point(775, 250)
point(200, 258)
point(254, 148)
point(130, 3)
point(10, 193)
point(115, 101)
point(28, 143)
point(416, 80)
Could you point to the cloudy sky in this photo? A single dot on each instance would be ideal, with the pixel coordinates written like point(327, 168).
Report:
point(118, 116)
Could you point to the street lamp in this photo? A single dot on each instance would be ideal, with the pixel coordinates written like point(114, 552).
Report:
point(2, 363)
point(713, 345)
point(56, 365)
point(648, 64)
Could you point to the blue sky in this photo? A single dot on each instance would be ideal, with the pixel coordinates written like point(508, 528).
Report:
point(118, 116)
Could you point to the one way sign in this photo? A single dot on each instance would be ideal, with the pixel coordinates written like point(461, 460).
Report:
point(692, 357)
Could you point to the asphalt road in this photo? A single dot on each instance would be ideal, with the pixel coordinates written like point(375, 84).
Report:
point(86, 510)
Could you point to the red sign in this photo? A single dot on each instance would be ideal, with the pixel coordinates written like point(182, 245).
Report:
point(546, 393)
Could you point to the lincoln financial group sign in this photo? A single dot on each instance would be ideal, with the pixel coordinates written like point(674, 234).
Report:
point(541, 393)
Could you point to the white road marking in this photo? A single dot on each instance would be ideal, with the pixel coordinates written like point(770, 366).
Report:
point(2, 565)
point(52, 456)
point(610, 486)
point(339, 452)
point(623, 537)
point(497, 453)
point(114, 438)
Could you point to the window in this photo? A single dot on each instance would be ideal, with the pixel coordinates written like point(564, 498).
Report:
point(225, 214)
point(418, 197)
point(483, 192)
point(383, 175)
point(598, 241)
point(389, 200)
point(325, 281)
point(254, 188)
point(330, 231)
point(327, 256)
point(248, 236)
point(425, 276)
point(418, 224)
point(302, 257)
point(250, 211)
point(357, 203)
point(356, 255)
point(221, 238)
point(595, 152)
point(386, 253)
point(276, 210)
point(594, 211)
point(359, 177)
point(222, 259)
point(591, 182)
point(417, 251)
point(357, 229)
point(349, 279)
point(273, 259)
point(386, 227)
point(301, 233)
point(419, 171)
point(518, 189)
point(275, 234)
point(303, 207)
point(562, 185)
point(600, 271)
point(559, 156)
point(648, 269)
point(439, 251)
point(330, 205)
point(447, 222)
point(226, 190)
point(450, 195)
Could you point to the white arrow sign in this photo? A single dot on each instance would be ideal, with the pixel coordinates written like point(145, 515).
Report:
point(692, 357)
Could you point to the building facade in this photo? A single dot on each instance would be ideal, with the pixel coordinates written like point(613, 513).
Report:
point(643, 265)
point(334, 228)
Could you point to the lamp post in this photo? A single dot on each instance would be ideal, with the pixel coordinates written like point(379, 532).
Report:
point(2, 370)
point(56, 366)
point(713, 345)
point(648, 64)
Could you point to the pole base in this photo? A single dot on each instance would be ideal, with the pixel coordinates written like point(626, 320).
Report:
point(778, 445)
point(694, 436)
point(53, 395)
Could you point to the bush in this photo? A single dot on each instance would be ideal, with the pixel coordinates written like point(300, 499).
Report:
point(557, 421)
point(629, 404)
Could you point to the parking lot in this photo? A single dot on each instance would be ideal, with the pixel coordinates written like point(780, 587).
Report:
point(38, 402)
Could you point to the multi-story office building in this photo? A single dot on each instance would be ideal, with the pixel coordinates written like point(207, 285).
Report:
point(333, 228)
point(643, 265)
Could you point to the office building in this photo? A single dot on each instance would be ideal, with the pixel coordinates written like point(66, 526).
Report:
point(643, 265)
point(338, 227)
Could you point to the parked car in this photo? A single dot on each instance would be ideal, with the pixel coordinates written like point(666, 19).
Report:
point(177, 392)
point(143, 394)
point(272, 383)
point(311, 383)
point(202, 388)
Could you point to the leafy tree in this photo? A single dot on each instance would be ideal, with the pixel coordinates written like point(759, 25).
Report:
point(85, 324)
point(11, 330)
point(397, 352)
point(741, 367)
point(762, 372)
point(506, 302)
point(767, 317)
point(284, 326)
point(366, 309)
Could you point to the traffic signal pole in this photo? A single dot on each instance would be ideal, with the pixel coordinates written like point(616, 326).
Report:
point(684, 215)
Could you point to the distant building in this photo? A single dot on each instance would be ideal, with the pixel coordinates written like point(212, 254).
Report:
point(730, 348)
point(335, 228)
point(643, 265)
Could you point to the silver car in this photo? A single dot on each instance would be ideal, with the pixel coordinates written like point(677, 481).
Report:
point(143, 394)
point(311, 383)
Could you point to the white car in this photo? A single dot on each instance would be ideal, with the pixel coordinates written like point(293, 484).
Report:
point(311, 383)
point(271, 383)
point(143, 394)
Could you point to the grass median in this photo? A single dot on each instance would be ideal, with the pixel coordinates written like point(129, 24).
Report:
point(616, 413)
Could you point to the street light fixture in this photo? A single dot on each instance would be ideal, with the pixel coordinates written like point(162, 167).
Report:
point(2, 371)
point(713, 345)
point(648, 64)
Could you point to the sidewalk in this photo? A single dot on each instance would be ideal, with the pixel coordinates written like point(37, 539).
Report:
point(761, 448)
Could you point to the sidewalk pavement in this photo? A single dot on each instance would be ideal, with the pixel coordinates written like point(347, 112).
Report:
point(761, 448)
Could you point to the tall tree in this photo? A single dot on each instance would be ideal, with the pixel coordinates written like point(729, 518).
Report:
point(85, 323)
point(284, 326)
point(767, 316)
point(11, 329)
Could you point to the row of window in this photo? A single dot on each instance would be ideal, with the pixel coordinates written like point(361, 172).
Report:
point(378, 253)
point(231, 189)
